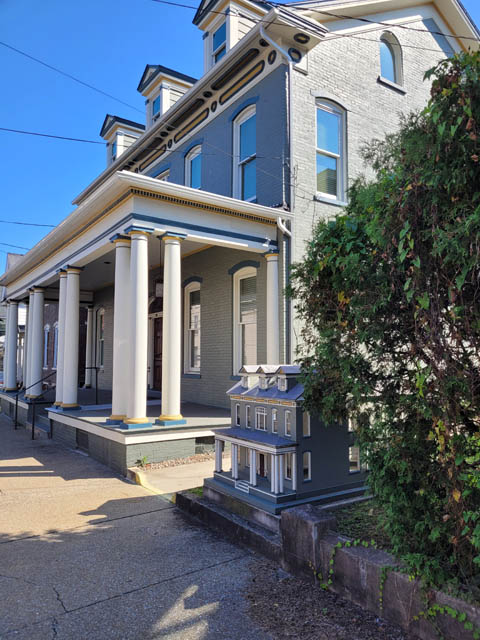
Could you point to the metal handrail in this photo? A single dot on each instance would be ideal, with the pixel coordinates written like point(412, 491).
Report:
point(33, 403)
point(96, 381)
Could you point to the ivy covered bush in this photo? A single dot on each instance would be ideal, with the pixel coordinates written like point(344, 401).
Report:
point(389, 298)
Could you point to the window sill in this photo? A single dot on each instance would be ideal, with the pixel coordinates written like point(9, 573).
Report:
point(191, 376)
point(305, 481)
point(336, 203)
point(391, 85)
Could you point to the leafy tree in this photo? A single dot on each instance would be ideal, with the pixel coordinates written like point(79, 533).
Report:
point(389, 295)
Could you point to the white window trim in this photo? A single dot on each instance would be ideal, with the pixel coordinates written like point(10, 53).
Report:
point(286, 476)
point(237, 415)
point(55, 345)
point(397, 54)
point(309, 428)
point(260, 411)
point(214, 52)
point(243, 116)
point(248, 416)
point(275, 428)
point(187, 333)
point(191, 155)
point(46, 333)
point(163, 176)
point(288, 413)
point(341, 158)
point(246, 272)
point(100, 312)
point(309, 454)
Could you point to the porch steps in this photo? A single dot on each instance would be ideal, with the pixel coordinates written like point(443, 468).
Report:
point(242, 485)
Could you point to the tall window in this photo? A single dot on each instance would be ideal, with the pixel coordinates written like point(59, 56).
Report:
point(307, 465)
point(237, 415)
point(193, 168)
point(244, 152)
point(55, 344)
point(274, 420)
point(249, 416)
point(306, 425)
point(46, 335)
point(261, 418)
point(156, 106)
point(288, 466)
point(390, 59)
point(219, 43)
point(330, 152)
point(288, 423)
point(192, 344)
point(245, 318)
point(101, 338)
point(113, 150)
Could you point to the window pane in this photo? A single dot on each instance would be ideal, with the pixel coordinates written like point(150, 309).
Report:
point(249, 180)
point(196, 172)
point(326, 174)
point(156, 105)
point(328, 129)
point(219, 36)
point(248, 300)
point(219, 55)
point(387, 62)
point(306, 465)
point(248, 138)
point(249, 343)
point(195, 349)
point(306, 424)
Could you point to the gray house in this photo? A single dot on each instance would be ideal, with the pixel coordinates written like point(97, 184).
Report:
point(181, 247)
point(282, 456)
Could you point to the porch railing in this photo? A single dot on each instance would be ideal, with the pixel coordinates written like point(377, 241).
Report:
point(33, 403)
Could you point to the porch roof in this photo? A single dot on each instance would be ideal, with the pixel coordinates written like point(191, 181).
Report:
point(255, 437)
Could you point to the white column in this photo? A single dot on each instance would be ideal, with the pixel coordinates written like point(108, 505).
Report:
point(253, 467)
point(172, 331)
point(62, 305)
point(276, 467)
point(136, 364)
point(235, 461)
point(281, 472)
point(36, 349)
point(121, 328)
point(20, 359)
point(5, 346)
point(71, 339)
point(294, 470)
point(12, 340)
point(89, 348)
point(218, 455)
point(273, 322)
point(28, 380)
point(272, 473)
point(25, 348)
point(151, 353)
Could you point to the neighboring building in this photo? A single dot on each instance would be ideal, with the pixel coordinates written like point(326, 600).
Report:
point(282, 456)
point(182, 244)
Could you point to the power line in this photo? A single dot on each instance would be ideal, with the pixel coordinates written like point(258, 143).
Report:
point(27, 224)
point(14, 246)
point(50, 135)
point(68, 75)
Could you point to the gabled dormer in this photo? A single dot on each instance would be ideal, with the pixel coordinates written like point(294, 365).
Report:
point(224, 23)
point(162, 87)
point(119, 134)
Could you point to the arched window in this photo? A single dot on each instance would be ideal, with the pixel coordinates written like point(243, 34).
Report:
point(101, 338)
point(390, 59)
point(193, 168)
point(245, 155)
point(244, 318)
point(55, 344)
point(330, 160)
point(192, 339)
point(46, 335)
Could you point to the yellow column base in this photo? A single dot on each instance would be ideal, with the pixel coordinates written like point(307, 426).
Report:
point(67, 405)
point(179, 417)
point(117, 417)
point(136, 420)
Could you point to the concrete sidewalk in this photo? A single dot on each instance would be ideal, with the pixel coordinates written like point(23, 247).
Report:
point(85, 554)
point(169, 480)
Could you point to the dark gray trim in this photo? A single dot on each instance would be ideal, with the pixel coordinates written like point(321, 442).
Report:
point(143, 84)
point(104, 130)
point(191, 376)
point(243, 105)
point(192, 279)
point(241, 265)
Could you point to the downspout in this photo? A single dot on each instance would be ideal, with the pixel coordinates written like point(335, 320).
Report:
point(287, 234)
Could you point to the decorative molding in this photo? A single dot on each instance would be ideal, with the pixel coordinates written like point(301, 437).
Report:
point(192, 279)
point(242, 265)
point(243, 105)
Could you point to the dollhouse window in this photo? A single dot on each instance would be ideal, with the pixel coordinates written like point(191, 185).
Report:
point(354, 459)
point(237, 415)
point(288, 466)
point(288, 423)
point(307, 465)
point(306, 425)
point(274, 420)
point(249, 416)
point(282, 384)
point(261, 418)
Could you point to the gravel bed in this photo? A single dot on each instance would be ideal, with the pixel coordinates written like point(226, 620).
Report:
point(199, 457)
point(288, 607)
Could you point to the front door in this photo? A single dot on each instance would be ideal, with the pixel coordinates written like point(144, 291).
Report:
point(157, 353)
point(261, 464)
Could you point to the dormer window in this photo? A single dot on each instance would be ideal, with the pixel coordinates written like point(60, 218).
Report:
point(219, 43)
point(282, 384)
point(156, 106)
point(113, 151)
point(263, 383)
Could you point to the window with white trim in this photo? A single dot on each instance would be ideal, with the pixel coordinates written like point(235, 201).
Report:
point(113, 150)
point(274, 420)
point(101, 338)
point(288, 423)
point(354, 459)
point(282, 384)
point(163, 177)
point(219, 43)
point(46, 335)
point(55, 344)
point(306, 425)
point(245, 155)
point(391, 67)
point(248, 420)
point(245, 318)
point(237, 415)
point(261, 418)
point(192, 340)
point(307, 465)
point(288, 466)
point(156, 106)
point(193, 168)
point(330, 154)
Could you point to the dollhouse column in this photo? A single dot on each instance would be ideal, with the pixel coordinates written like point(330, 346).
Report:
point(62, 305)
point(71, 339)
point(275, 473)
point(272, 473)
point(273, 322)
point(280, 472)
point(89, 348)
point(235, 461)
point(36, 347)
point(294, 470)
point(253, 467)
point(218, 456)
point(138, 328)
point(11, 341)
point(121, 331)
point(28, 351)
point(172, 331)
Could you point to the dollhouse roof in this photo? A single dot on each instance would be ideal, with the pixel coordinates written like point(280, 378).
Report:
point(295, 394)
point(254, 435)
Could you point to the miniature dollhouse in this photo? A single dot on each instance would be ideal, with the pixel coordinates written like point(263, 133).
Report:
point(282, 456)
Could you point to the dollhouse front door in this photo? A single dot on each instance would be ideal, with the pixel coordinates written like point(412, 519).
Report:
point(261, 465)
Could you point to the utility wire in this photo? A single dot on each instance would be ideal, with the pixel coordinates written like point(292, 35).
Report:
point(15, 246)
point(50, 135)
point(68, 75)
point(27, 224)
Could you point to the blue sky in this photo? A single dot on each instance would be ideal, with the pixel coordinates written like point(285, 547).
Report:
point(106, 43)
